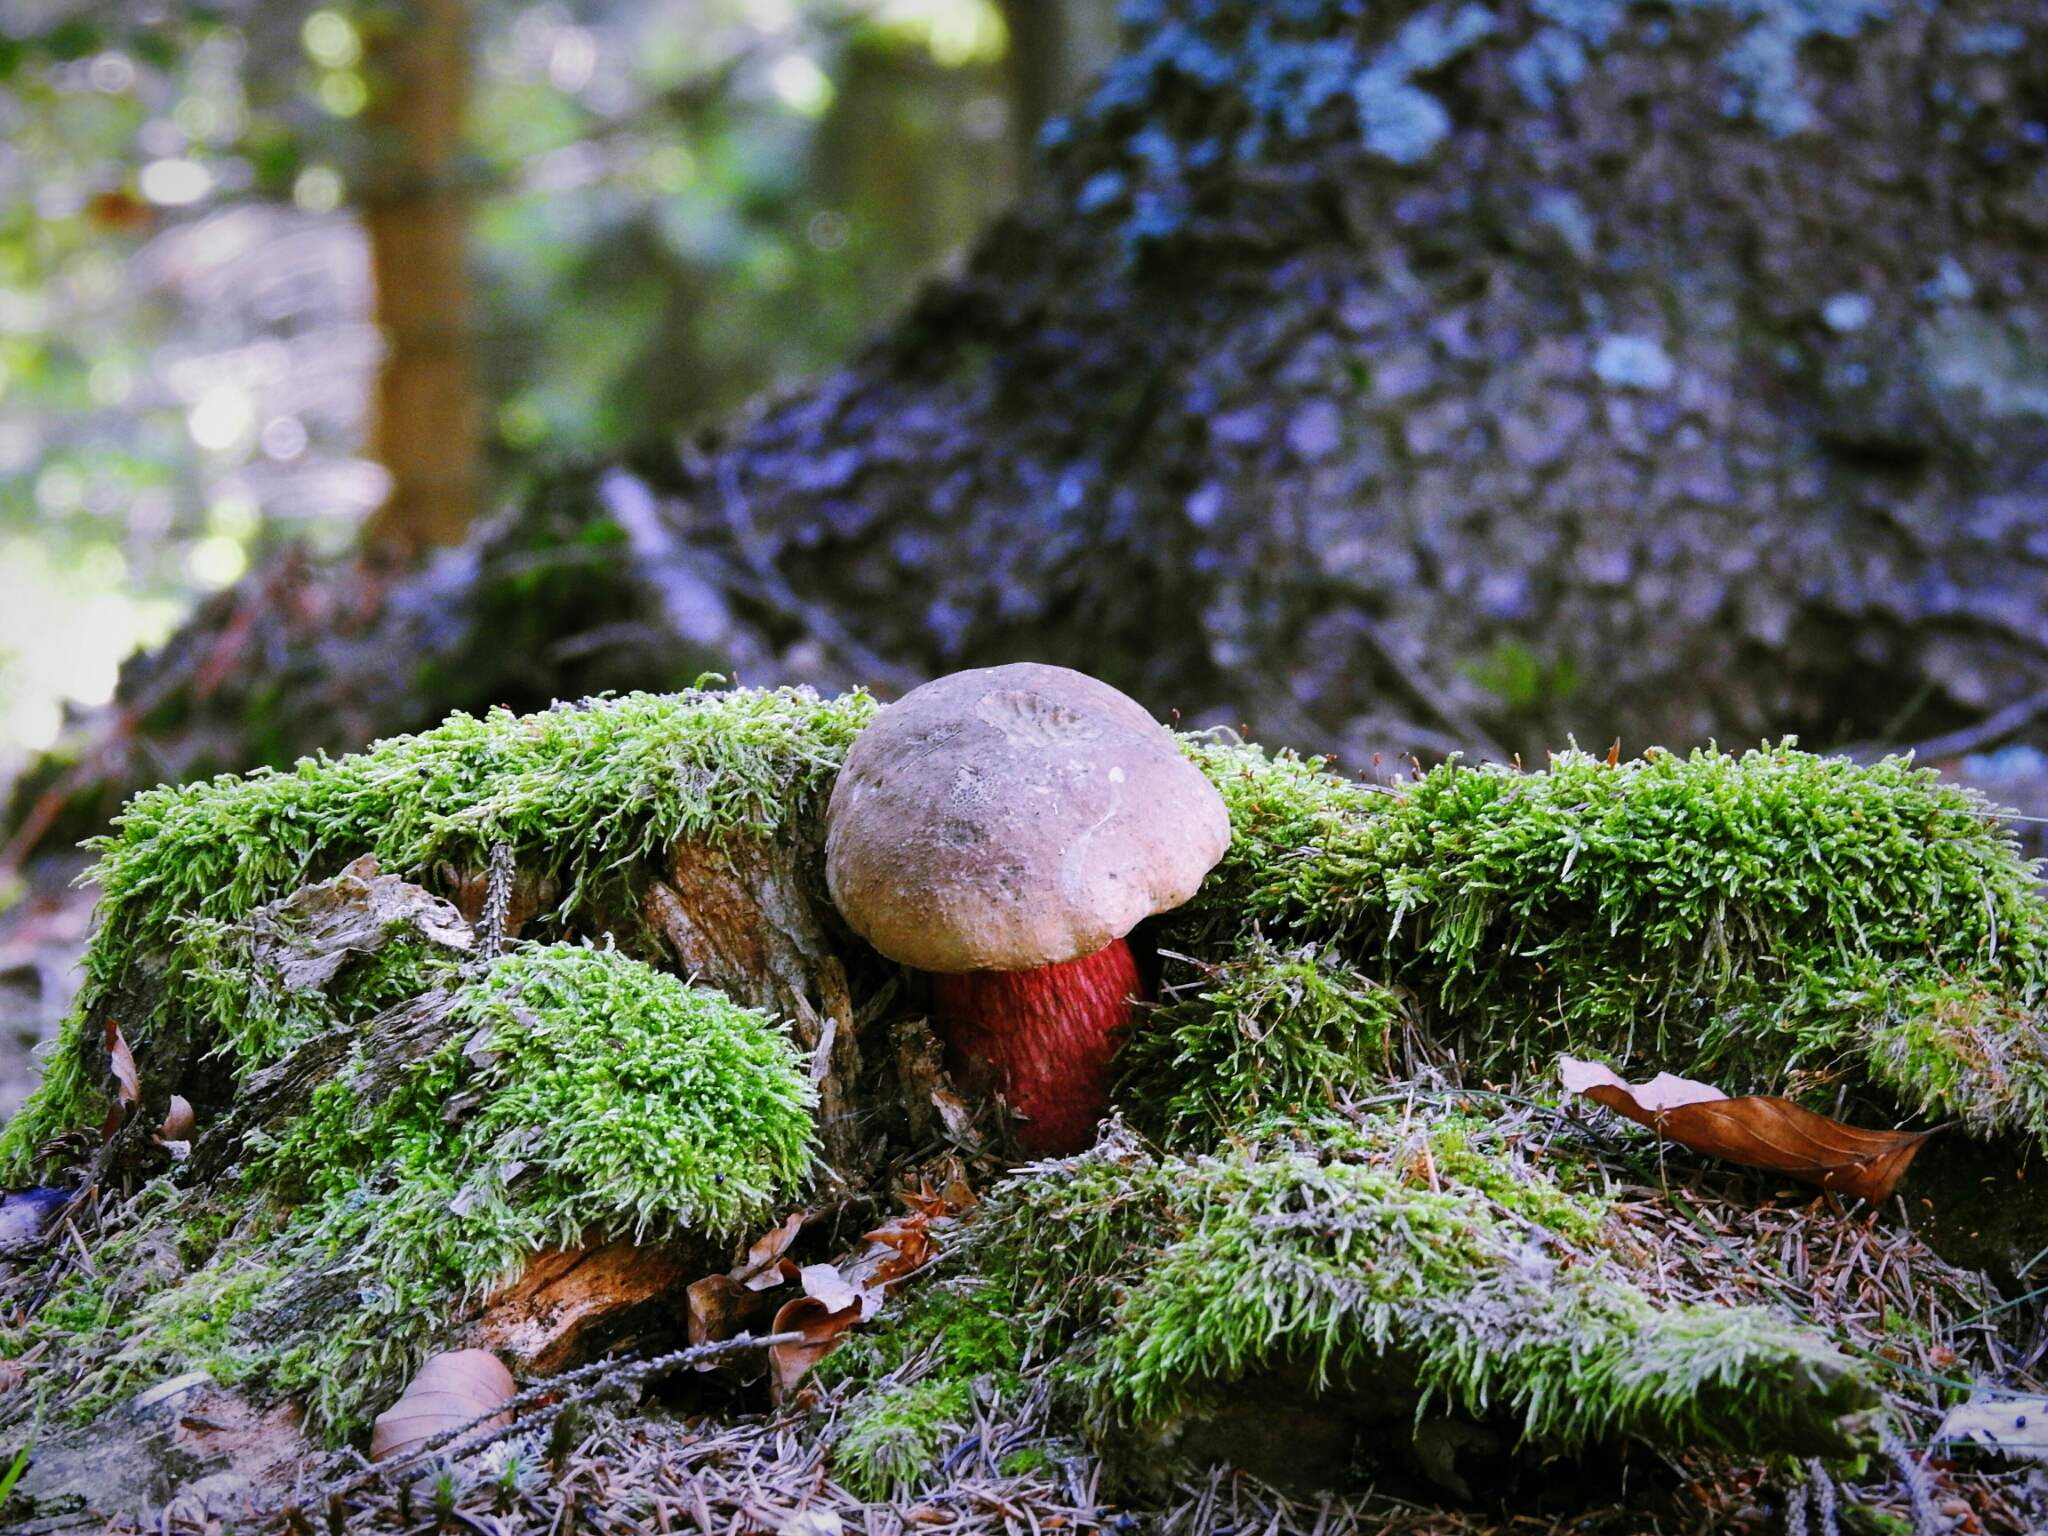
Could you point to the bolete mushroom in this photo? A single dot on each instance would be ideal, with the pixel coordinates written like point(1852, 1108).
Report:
point(1005, 828)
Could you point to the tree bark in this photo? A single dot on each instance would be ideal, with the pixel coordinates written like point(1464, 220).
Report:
point(424, 424)
point(1037, 66)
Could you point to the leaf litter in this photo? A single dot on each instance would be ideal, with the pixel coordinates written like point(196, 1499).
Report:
point(1756, 1130)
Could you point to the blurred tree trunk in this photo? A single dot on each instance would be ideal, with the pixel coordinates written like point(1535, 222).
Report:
point(1056, 46)
point(424, 429)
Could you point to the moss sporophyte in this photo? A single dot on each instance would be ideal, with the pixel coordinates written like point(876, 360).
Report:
point(1769, 920)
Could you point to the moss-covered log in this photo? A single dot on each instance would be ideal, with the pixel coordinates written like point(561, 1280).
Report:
point(1337, 1216)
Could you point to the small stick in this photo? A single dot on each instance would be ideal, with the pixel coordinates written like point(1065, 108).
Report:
point(606, 1374)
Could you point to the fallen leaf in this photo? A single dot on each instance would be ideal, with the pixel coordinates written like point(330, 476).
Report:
point(957, 1118)
point(127, 1079)
point(2017, 1426)
point(127, 1082)
point(912, 1248)
point(821, 1328)
point(1758, 1131)
point(178, 1121)
point(824, 1282)
point(12, 1374)
point(450, 1389)
point(758, 1271)
point(721, 1308)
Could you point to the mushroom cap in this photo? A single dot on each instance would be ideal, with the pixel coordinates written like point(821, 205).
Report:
point(1010, 817)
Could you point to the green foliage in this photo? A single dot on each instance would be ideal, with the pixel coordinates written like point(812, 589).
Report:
point(1318, 1244)
point(925, 1364)
point(257, 1019)
point(1273, 1029)
point(1278, 805)
point(608, 1096)
point(1059, 1240)
point(1746, 916)
point(580, 792)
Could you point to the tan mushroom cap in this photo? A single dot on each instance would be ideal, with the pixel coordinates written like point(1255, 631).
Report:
point(1011, 817)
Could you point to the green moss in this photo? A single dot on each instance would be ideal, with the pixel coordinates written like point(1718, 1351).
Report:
point(583, 1096)
point(1058, 1242)
point(256, 1019)
point(1031, 1459)
point(895, 1437)
point(580, 793)
point(1748, 917)
point(586, 1096)
point(924, 1365)
point(1271, 1029)
point(1334, 1246)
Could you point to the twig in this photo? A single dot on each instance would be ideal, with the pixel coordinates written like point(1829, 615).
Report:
point(1927, 1519)
point(607, 1375)
point(1985, 732)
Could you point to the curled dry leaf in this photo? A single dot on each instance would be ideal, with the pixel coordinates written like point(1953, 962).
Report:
point(127, 1081)
point(450, 1389)
point(722, 1308)
point(760, 1271)
point(821, 1327)
point(1758, 1131)
point(910, 1246)
point(826, 1284)
point(178, 1121)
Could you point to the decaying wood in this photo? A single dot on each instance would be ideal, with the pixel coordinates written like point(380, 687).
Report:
point(531, 895)
point(272, 1098)
point(738, 917)
point(569, 1304)
point(307, 938)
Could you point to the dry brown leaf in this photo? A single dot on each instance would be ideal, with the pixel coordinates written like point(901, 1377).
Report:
point(759, 1271)
point(910, 1238)
point(450, 1389)
point(822, 1329)
point(178, 1120)
point(12, 1374)
point(128, 1081)
point(1758, 1131)
point(722, 1307)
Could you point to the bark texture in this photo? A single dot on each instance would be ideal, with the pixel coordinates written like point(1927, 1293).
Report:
point(424, 427)
point(1412, 380)
point(1677, 398)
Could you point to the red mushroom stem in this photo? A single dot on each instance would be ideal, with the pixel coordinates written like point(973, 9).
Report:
point(1043, 1037)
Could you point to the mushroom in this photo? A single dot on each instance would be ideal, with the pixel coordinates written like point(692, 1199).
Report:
point(1004, 828)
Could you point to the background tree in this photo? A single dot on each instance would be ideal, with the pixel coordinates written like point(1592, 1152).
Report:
point(670, 210)
point(416, 212)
